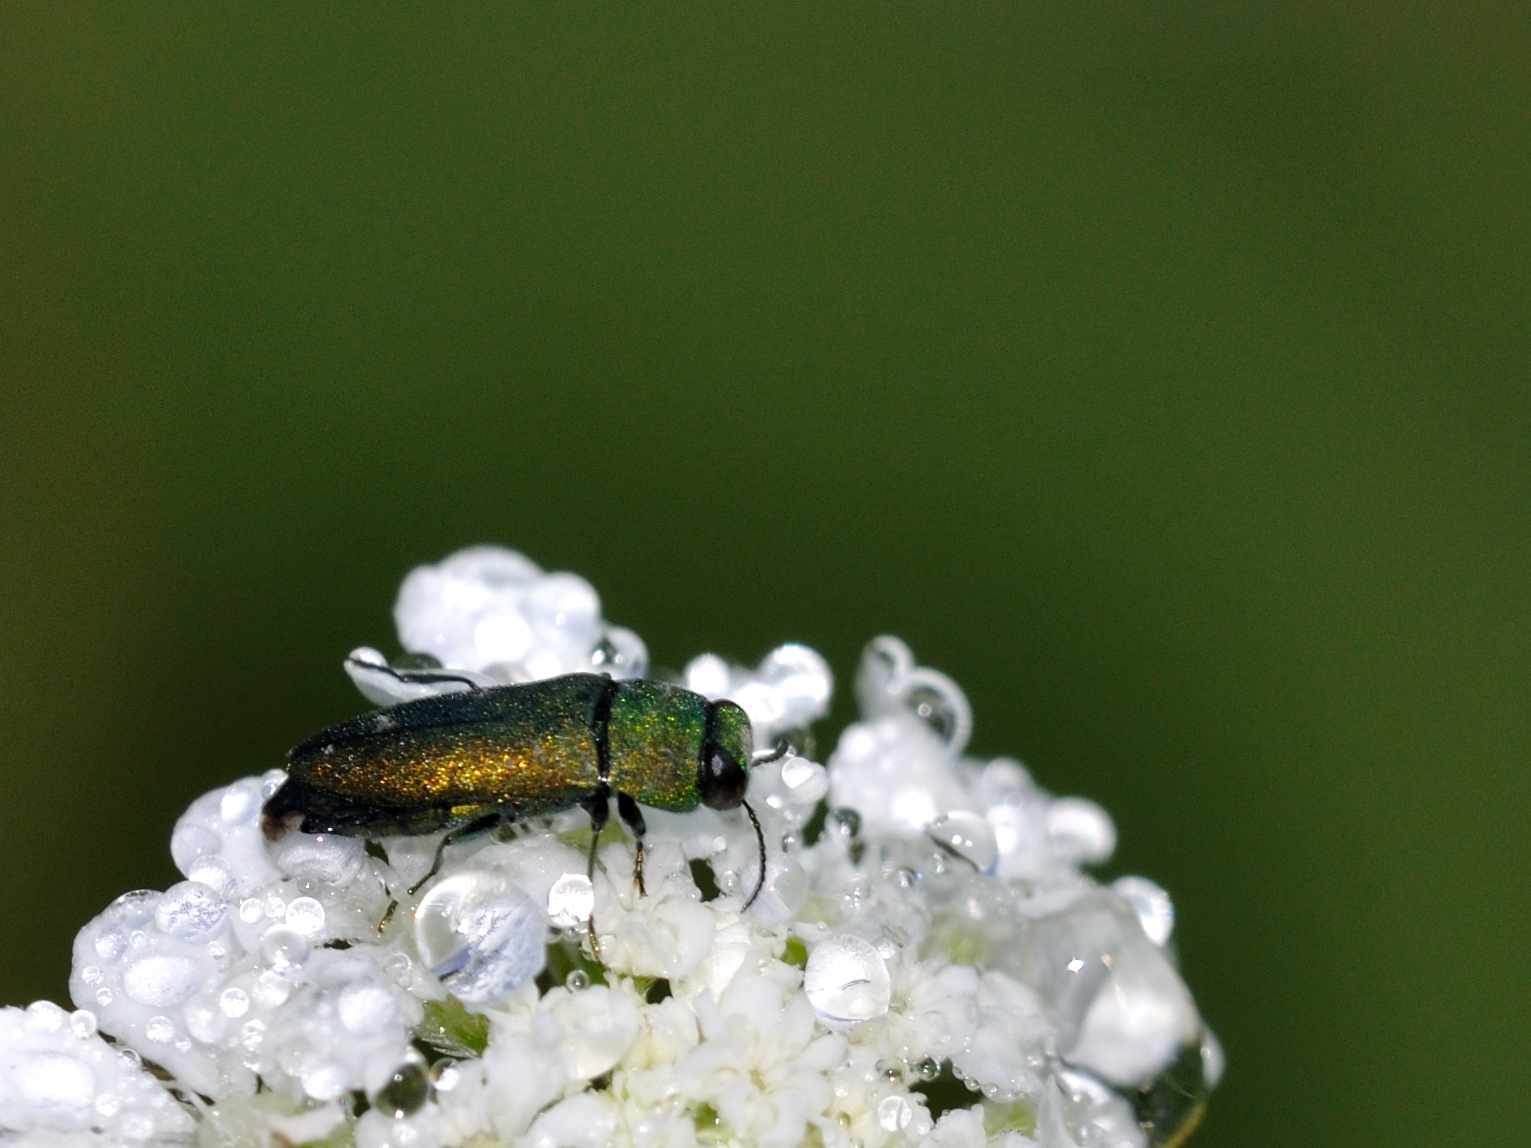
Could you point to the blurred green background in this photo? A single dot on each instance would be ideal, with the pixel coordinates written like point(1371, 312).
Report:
point(1160, 375)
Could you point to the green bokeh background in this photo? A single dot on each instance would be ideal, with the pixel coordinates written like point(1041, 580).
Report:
point(1161, 375)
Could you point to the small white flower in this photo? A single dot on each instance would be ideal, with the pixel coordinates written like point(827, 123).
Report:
point(925, 928)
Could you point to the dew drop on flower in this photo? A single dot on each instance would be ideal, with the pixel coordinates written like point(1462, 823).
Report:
point(807, 781)
point(234, 1002)
point(894, 1113)
point(405, 1093)
point(846, 980)
point(110, 946)
point(251, 909)
point(571, 900)
point(1080, 830)
point(190, 911)
point(305, 915)
point(160, 981)
point(846, 822)
point(160, 1030)
point(1155, 911)
point(1213, 1059)
point(82, 1022)
point(324, 1080)
point(577, 980)
point(237, 804)
point(282, 948)
point(481, 934)
point(927, 1069)
point(365, 1008)
point(967, 835)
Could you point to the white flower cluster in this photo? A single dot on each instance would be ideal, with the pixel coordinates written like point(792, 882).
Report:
point(926, 961)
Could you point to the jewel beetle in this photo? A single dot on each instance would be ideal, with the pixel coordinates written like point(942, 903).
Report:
point(468, 761)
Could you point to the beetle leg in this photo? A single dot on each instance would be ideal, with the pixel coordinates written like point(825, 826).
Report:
point(598, 805)
point(632, 817)
point(477, 825)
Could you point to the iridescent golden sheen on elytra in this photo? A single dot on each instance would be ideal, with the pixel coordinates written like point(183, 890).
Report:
point(515, 751)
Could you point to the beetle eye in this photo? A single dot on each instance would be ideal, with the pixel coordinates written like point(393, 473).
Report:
point(723, 780)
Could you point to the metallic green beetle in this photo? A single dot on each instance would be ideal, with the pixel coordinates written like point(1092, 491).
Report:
point(468, 761)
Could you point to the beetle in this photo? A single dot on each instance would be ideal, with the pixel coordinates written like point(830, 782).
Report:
point(468, 761)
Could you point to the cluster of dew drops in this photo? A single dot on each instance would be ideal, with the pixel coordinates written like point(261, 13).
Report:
point(250, 969)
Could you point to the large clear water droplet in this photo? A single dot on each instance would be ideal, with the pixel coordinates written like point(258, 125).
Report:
point(1155, 911)
point(620, 653)
point(190, 911)
point(1080, 830)
point(571, 900)
point(480, 934)
point(1170, 1106)
point(406, 1091)
point(160, 981)
point(967, 836)
point(894, 1113)
point(846, 980)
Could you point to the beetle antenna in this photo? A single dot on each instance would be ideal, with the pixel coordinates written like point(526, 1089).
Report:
point(781, 749)
point(759, 837)
point(412, 677)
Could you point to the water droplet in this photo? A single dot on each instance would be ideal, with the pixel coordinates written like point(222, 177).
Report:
point(234, 1002)
point(1080, 830)
point(205, 1021)
point(82, 1022)
point(110, 946)
point(190, 911)
point(272, 989)
point(305, 915)
point(906, 877)
point(212, 873)
point(159, 1029)
point(563, 607)
point(621, 653)
point(482, 933)
point(1213, 1059)
point(160, 981)
point(366, 1008)
point(846, 822)
point(282, 948)
point(104, 997)
point(251, 909)
point(237, 804)
point(894, 1113)
point(91, 974)
point(708, 675)
point(928, 1069)
point(252, 1035)
point(571, 900)
point(405, 1093)
point(1155, 911)
point(577, 980)
point(324, 1080)
point(846, 980)
point(967, 835)
point(806, 781)
point(935, 708)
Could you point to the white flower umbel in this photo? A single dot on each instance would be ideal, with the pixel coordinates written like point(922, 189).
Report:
point(928, 960)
